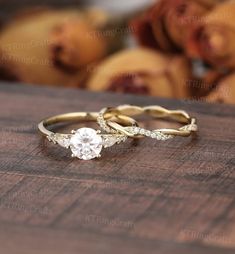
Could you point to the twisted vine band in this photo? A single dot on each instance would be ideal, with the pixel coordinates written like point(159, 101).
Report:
point(154, 111)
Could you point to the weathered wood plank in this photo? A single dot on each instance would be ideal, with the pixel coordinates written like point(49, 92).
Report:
point(150, 197)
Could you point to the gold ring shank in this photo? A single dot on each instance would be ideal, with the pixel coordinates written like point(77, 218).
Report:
point(81, 116)
point(154, 111)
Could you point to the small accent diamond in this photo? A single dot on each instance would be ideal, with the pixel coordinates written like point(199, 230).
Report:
point(60, 139)
point(109, 140)
point(142, 131)
point(64, 142)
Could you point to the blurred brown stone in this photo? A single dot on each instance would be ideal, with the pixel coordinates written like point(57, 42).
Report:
point(75, 44)
point(31, 51)
point(224, 91)
point(213, 39)
point(166, 25)
point(142, 70)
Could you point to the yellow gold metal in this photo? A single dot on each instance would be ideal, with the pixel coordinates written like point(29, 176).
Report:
point(117, 125)
point(82, 116)
point(85, 143)
point(154, 111)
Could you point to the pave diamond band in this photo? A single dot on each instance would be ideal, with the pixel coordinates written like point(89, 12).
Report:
point(85, 143)
point(155, 134)
point(154, 111)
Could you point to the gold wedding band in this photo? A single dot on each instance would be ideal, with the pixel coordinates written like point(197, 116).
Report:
point(154, 111)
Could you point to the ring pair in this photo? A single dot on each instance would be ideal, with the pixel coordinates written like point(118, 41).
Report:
point(116, 125)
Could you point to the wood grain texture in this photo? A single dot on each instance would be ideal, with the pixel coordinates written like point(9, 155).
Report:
point(146, 197)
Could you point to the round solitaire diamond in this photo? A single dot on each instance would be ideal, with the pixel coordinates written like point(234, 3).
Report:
point(86, 144)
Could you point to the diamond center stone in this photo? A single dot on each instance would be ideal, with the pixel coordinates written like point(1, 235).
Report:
point(86, 144)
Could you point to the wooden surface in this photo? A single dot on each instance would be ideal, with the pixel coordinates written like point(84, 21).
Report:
point(147, 197)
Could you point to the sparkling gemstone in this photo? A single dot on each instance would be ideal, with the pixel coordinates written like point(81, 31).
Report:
point(148, 133)
point(86, 144)
point(109, 141)
point(135, 130)
point(64, 142)
point(142, 131)
point(153, 135)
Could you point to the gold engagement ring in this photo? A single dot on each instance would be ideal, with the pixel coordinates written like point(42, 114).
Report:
point(85, 143)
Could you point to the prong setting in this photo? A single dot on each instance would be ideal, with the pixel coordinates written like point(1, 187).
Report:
point(86, 144)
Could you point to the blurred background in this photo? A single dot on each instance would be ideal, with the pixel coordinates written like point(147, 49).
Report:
point(181, 49)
